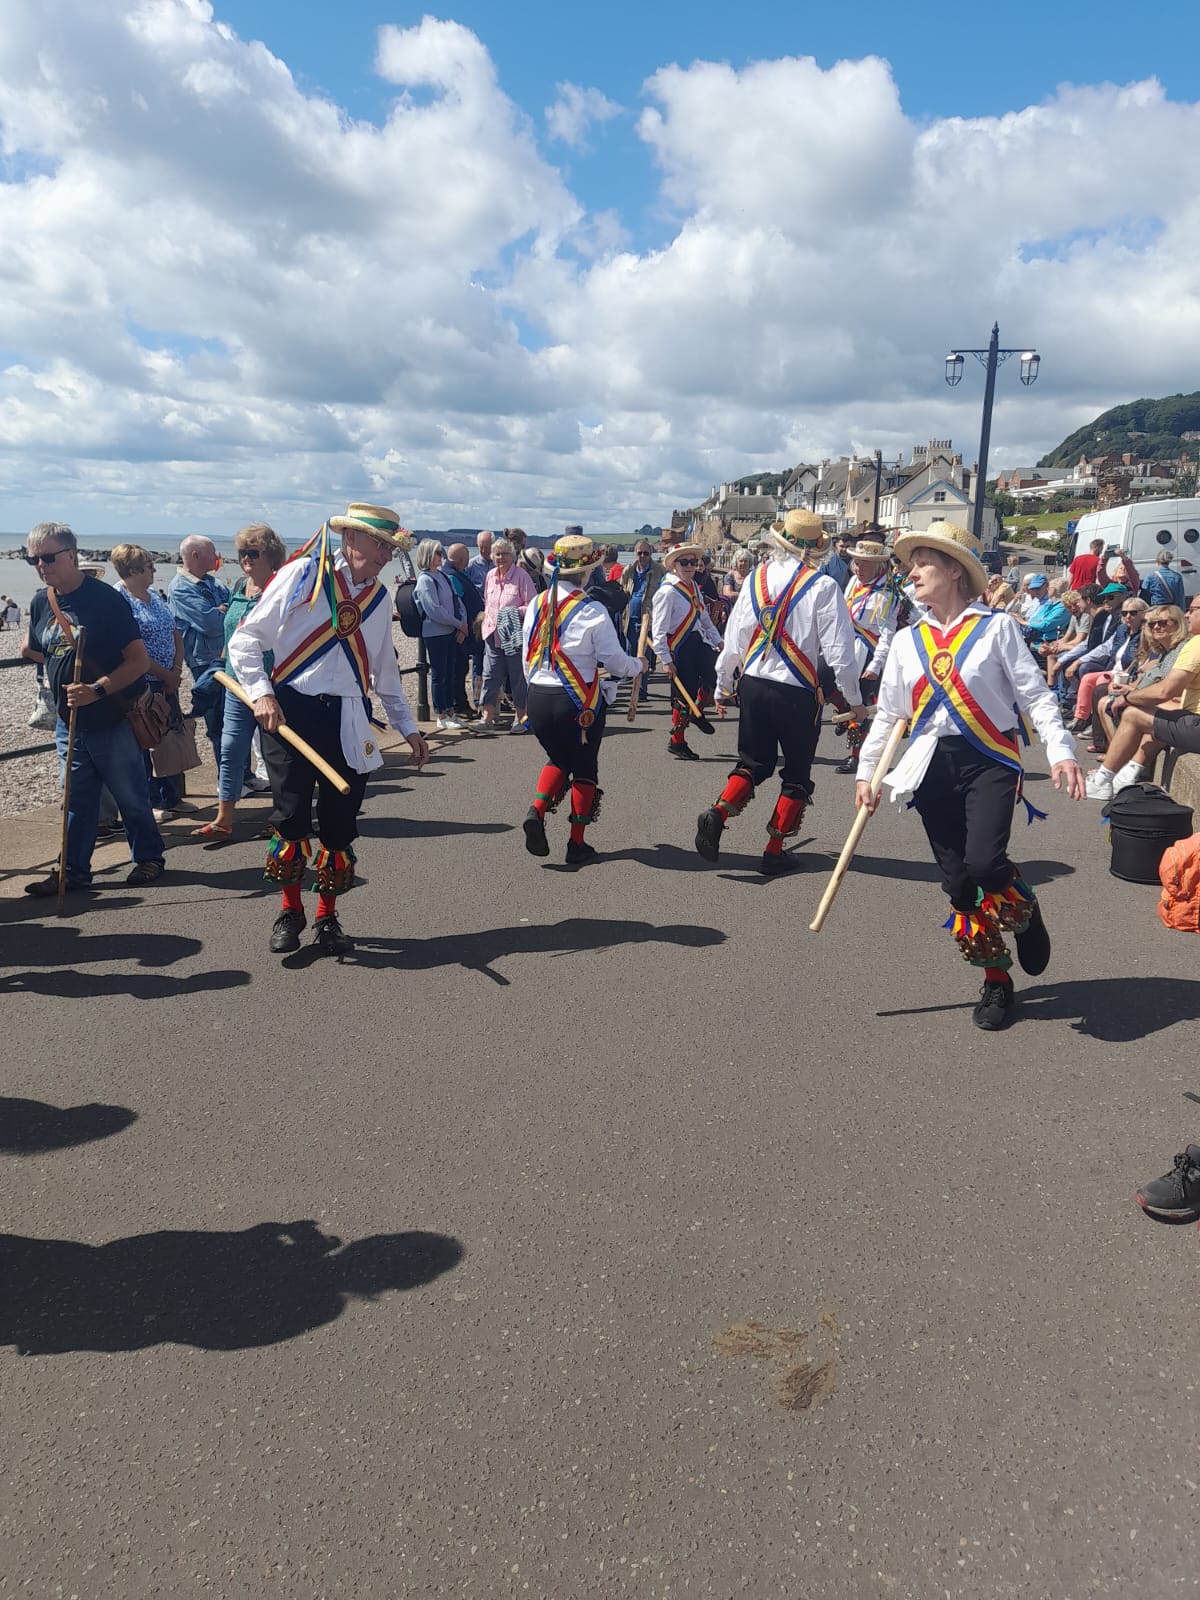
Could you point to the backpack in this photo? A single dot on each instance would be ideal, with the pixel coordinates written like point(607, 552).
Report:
point(1179, 871)
point(408, 610)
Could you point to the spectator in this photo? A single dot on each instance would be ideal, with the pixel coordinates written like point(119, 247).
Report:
point(1049, 621)
point(1165, 716)
point(3, 612)
point(260, 554)
point(1164, 632)
point(612, 563)
point(1112, 659)
point(640, 582)
point(12, 614)
point(457, 570)
point(508, 591)
point(443, 628)
point(164, 646)
point(477, 570)
point(1001, 597)
point(114, 666)
point(198, 603)
point(1086, 568)
point(1079, 613)
point(1032, 594)
point(743, 566)
point(534, 563)
point(1119, 567)
point(1162, 587)
point(837, 563)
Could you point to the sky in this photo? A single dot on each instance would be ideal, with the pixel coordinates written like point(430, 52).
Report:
point(527, 264)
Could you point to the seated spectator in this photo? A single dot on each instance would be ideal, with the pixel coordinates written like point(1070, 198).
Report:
point(114, 667)
point(1001, 596)
point(1112, 657)
point(1162, 587)
point(507, 592)
point(1164, 632)
point(260, 554)
point(1032, 594)
point(1050, 619)
point(1165, 716)
point(164, 646)
point(443, 628)
point(1079, 624)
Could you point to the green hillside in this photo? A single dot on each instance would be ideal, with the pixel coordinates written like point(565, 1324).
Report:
point(1147, 429)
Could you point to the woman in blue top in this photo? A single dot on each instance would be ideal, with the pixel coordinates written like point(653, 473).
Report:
point(164, 646)
point(443, 628)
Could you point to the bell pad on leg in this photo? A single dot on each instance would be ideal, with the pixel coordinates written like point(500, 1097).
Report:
point(286, 860)
point(334, 870)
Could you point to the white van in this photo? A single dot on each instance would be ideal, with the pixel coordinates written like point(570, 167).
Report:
point(1144, 528)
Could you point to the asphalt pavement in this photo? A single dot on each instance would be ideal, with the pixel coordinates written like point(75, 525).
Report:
point(595, 1232)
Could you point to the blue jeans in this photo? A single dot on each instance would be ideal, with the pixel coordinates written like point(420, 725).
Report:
point(440, 651)
point(106, 756)
point(164, 792)
point(237, 735)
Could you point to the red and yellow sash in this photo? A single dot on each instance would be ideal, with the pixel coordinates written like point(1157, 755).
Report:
point(675, 639)
point(770, 624)
point(546, 651)
point(942, 656)
point(857, 600)
point(342, 627)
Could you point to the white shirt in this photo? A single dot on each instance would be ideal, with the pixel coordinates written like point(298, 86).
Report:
point(819, 625)
point(281, 620)
point(672, 602)
point(875, 607)
point(589, 640)
point(1002, 676)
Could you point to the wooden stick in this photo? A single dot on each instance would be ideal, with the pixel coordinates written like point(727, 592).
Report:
point(636, 689)
point(80, 642)
point(848, 716)
point(888, 755)
point(301, 746)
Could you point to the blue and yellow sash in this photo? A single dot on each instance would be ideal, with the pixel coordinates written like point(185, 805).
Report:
point(770, 624)
point(546, 651)
point(942, 656)
point(858, 598)
point(342, 627)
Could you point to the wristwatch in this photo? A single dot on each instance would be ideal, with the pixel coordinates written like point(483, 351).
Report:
point(99, 691)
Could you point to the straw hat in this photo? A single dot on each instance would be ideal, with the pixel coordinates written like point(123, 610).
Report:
point(802, 534)
point(952, 541)
point(672, 556)
point(574, 555)
point(378, 521)
point(869, 550)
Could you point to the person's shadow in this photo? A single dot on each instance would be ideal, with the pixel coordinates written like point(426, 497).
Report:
point(1117, 1010)
point(216, 1291)
point(31, 1127)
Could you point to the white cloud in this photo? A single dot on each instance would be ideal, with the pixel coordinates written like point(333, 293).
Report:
point(225, 296)
point(573, 113)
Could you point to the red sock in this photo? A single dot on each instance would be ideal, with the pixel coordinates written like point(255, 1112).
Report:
point(326, 905)
point(291, 897)
point(787, 813)
point(679, 722)
point(736, 793)
point(995, 975)
point(702, 698)
point(583, 798)
point(549, 786)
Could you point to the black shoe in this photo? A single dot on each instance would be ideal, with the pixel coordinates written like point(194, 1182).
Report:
point(681, 752)
point(146, 872)
point(285, 935)
point(849, 765)
point(535, 834)
point(1175, 1197)
point(709, 827)
point(774, 866)
point(578, 855)
point(330, 940)
point(47, 888)
point(995, 1006)
point(1033, 946)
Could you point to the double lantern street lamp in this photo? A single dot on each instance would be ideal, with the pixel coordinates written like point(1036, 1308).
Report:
point(990, 359)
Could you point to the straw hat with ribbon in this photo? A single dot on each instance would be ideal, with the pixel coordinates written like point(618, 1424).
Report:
point(378, 521)
point(573, 556)
point(802, 534)
point(952, 541)
point(869, 550)
point(673, 555)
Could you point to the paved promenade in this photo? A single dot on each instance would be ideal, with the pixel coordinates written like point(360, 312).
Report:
point(598, 1233)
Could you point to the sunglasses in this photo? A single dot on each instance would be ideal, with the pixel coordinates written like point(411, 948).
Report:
point(686, 561)
point(46, 557)
point(250, 555)
point(1131, 613)
point(1161, 622)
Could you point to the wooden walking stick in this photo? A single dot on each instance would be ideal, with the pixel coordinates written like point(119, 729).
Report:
point(285, 733)
point(80, 642)
point(698, 716)
point(636, 683)
point(887, 756)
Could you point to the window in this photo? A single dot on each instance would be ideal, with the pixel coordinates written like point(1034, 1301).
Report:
point(938, 496)
point(1163, 536)
point(1190, 535)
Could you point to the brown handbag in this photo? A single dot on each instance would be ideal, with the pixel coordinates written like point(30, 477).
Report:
point(149, 717)
point(176, 751)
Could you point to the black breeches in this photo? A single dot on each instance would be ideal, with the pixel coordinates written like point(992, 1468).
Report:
point(317, 719)
point(966, 803)
point(696, 669)
point(553, 718)
point(776, 719)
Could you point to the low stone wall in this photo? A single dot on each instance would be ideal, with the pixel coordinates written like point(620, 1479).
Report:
point(1183, 783)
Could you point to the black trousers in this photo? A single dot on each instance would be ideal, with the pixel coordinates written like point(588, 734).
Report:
point(318, 719)
point(552, 716)
point(774, 719)
point(695, 667)
point(966, 803)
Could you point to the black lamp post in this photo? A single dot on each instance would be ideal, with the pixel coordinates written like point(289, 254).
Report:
point(878, 474)
point(989, 359)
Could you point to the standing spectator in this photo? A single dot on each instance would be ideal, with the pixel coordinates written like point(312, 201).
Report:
point(534, 563)
point(743, 566)
point(198, 603)
point(12, 614)
point(164, 646)
point(612, 563)
point(837, 563)
point(456, 569)
point(443, 628)
point(260, 553)
point(1162, 587)
point(3, 612)
point(114, 666)
point(508, 590)
point(640, 582)
point(477, 570)
point(1086, 568)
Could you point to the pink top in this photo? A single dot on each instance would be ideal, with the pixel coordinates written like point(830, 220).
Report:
point(515, 589)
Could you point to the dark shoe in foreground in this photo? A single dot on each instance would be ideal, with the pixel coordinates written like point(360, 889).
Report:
point(681, 752)
point(285, 935)
point(146, 872)
point(330, 939)
point(1176, 1196)
point(578, 855)
point(1033, 946)
point(709, 828)
point(774, 866)
point(994, 1009)
point(47, 888)
point(849, 765)
point(535, 834)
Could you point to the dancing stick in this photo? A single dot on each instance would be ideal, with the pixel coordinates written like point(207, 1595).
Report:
point(301, 746)
point(636, 683)
point(848, 716)
point(887, 756)
point(698, 716)
point(80, 642)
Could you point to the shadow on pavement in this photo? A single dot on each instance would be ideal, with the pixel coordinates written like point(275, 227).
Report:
point(415, 828)
point(216, 1291)
point(1034, 872)
point(31, 1127)
point(61, 944)
point(477, 952)
point(88, 986)
point(1116, 1010)
point(665, 857)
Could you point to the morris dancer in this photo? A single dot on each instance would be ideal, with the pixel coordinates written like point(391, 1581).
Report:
point(328, 620)
point(569, 636)
point(874, 600)
point(964, 675)
point(784, 615)
point(685, 640)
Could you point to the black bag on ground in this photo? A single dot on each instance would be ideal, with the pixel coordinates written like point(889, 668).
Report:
point(407, 609)
point(1142, 821)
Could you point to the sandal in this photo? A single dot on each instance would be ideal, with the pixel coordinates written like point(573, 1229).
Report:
point(209, 830)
